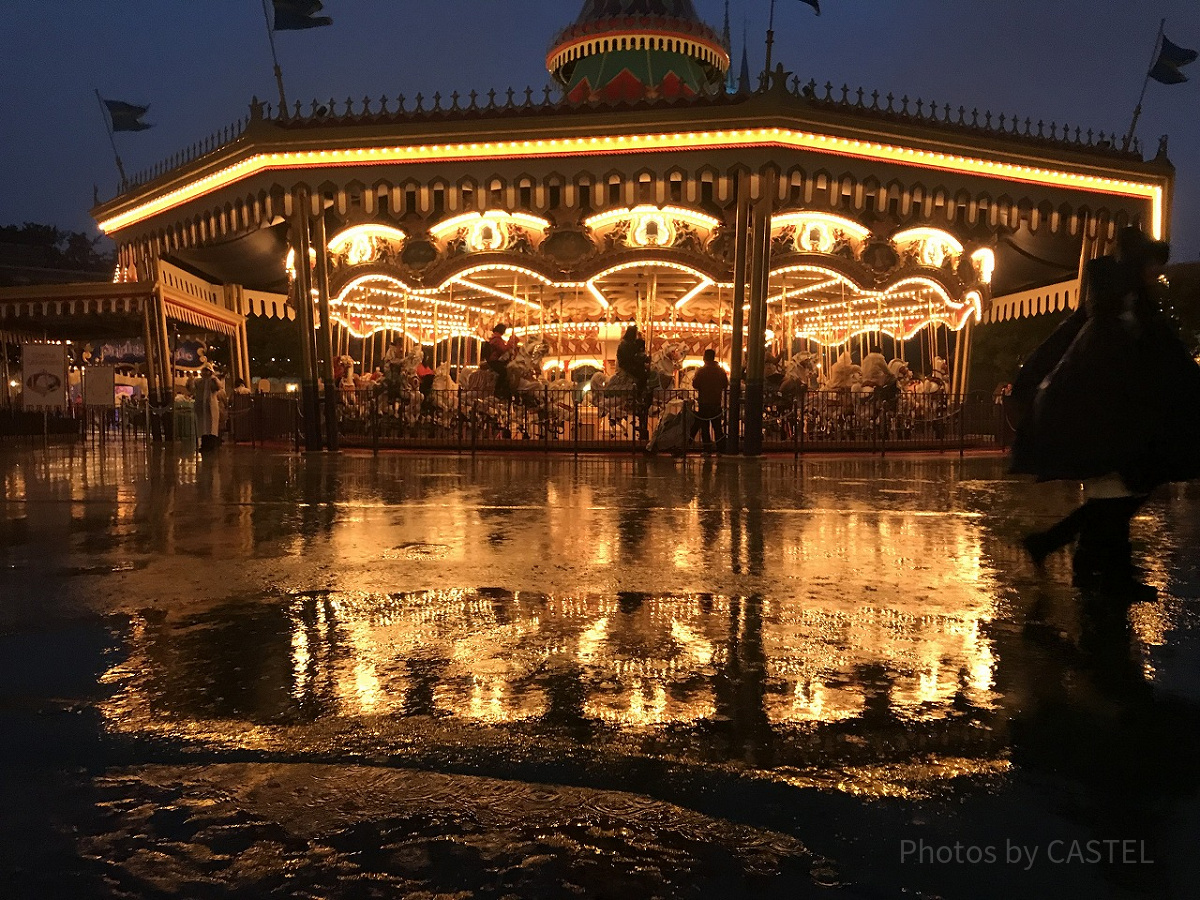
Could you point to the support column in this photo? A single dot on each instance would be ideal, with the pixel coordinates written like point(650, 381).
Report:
point(326, 342)
point(737, 339)
point(164, 399)
point(304, 321)
point(760, 274)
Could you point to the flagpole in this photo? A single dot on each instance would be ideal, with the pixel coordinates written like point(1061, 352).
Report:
point(1137, 112)
point(770, 39)
point(275, 58)
point(112, 140)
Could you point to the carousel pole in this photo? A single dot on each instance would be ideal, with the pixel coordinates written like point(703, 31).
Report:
point(304, 320)
point(760, 279)
point(331, 390)
point(740, 252)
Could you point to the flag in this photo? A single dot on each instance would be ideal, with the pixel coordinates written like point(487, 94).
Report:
point(126, 116)
point(296, 15)
point(1170, 58)
point(815, 4)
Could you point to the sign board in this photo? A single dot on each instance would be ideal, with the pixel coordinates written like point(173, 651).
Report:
point(44, 376)
point(99, 386)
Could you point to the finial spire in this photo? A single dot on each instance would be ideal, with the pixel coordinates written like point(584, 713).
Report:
point(744, 86)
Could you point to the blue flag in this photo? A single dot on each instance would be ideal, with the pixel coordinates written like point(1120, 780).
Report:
point(1170, 58)
point(126, 116)
point(815, 4)
point(296, 15)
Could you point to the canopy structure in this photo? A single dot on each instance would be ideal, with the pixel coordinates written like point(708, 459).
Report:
point(832, 282)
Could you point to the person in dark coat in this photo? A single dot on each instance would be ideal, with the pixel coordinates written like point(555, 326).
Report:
point(710, 384)
point(634, 362)
point(1111, 399)
point(496, 354)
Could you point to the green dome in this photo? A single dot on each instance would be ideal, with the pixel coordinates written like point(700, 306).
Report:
point(637, 49)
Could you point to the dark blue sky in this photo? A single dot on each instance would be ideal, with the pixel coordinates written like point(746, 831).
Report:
point(198, 63)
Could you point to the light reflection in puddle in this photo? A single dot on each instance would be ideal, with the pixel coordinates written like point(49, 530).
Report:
point(630, 662)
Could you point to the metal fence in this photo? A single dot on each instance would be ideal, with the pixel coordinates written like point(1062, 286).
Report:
point(126, 422)
point(265, 419)
point(572, 420)
point(563, 418)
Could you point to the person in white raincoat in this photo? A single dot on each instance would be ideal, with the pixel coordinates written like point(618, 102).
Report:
point(209, 397)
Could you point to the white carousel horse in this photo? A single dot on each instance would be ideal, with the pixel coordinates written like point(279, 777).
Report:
point(841, 374)
point(401, 385)
point(801, 375)
point(445, 391)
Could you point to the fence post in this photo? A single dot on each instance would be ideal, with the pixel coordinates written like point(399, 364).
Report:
point(546, 416)
point(575, 401)
point(962, 426)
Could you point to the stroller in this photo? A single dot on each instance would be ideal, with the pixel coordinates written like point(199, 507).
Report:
point(674, 428)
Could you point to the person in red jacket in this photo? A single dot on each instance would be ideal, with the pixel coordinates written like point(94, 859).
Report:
point(710, 384)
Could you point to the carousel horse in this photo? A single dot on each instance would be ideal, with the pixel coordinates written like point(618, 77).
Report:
point(401, 387)
point(664, 364)
point(801, 375)
point(841, 374)
point(445, 391)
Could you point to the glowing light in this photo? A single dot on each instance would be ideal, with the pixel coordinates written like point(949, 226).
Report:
point(358, 232)
point(985, 264)
point(694, 293)
point(935, 246)
point(576, 146)
point(614, 216)
point(817, 232)
point(488, 231)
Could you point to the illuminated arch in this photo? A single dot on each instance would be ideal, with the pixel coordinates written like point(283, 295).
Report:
point(650, 227)
point(819, 232)
point(934, 246)
point(370, 230)
point(489, 231)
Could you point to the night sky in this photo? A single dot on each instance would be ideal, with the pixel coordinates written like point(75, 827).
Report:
point(198, 63)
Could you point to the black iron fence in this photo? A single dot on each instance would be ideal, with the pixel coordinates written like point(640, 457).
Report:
point(567, 418)
point(553, 417)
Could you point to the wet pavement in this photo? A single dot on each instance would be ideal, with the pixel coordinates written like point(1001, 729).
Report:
point(522, 676)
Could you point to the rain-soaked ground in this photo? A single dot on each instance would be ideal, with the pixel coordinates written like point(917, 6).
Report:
point(271, 675)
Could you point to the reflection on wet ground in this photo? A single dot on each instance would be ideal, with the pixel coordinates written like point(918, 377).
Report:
point(680, 678)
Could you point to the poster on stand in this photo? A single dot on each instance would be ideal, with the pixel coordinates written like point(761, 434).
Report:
point(44, 376)
point(99, 386)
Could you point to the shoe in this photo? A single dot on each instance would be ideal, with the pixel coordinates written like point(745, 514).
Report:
point(1123, 587)
point(1038, 546)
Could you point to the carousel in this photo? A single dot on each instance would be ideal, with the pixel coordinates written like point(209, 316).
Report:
point(818, 242)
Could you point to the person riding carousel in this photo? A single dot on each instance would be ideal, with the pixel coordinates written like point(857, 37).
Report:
point(635, 363)
point(497, 353)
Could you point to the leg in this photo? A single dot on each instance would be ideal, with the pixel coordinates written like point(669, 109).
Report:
point(1041, 544)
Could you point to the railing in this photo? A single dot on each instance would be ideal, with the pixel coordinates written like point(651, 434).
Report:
point(265, 419)
point(572, 420)
point(128, 421)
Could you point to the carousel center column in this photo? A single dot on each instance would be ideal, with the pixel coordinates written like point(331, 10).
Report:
point(737, 339)
point(760, 275)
